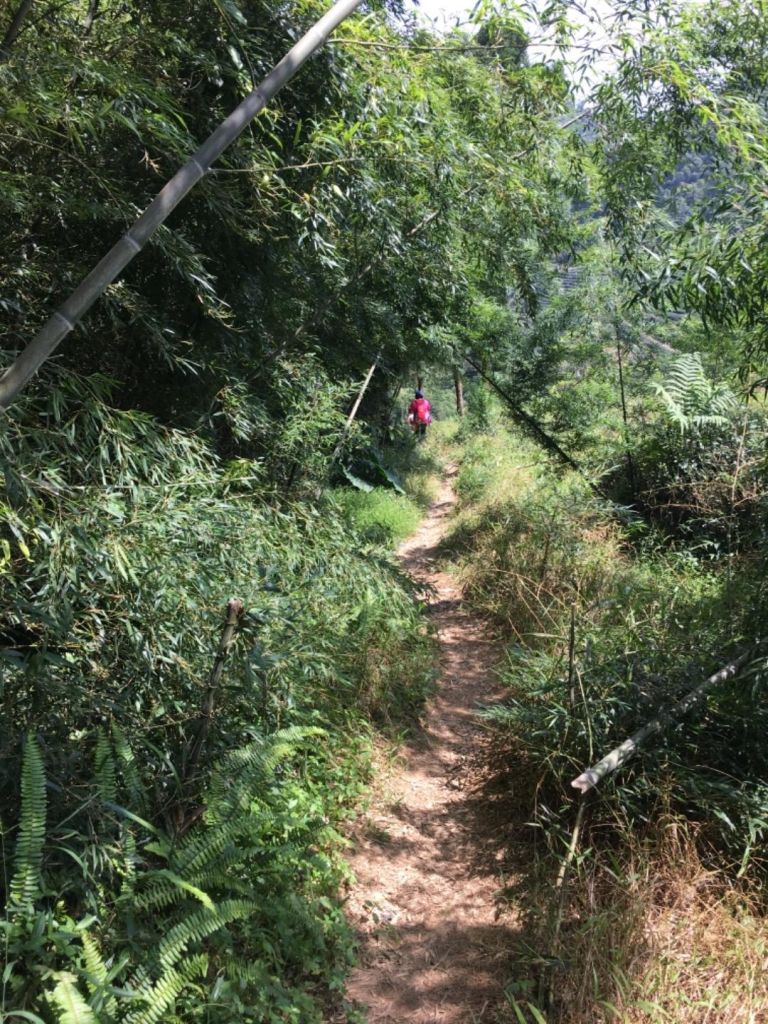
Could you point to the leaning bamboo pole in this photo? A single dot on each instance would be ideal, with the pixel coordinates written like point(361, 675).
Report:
point(68, 315)
point(353, 412)
point(617, 757)
point(532, 427)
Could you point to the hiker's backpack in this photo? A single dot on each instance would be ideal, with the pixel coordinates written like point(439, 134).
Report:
point(421, 408)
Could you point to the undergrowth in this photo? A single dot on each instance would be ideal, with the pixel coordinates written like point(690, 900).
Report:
point(173, 849)
point(607, 622)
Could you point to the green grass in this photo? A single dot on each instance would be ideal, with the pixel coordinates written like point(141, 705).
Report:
point(381, 514)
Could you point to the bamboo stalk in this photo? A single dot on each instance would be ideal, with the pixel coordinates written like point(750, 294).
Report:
point(14, 29)
point(625, 419)
point(355, 407)
point(458, 387)
point(235, 610)
point(572, 657)
point(530, 424)
point(560, 894)
point(617, 757)
point(67, 316)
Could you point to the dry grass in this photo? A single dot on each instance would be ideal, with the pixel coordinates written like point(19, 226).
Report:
point(660, 938)
point(649, 935)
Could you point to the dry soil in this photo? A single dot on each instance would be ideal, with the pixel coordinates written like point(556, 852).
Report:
point(428, 859)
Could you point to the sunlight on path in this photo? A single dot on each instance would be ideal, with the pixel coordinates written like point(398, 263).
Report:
point(427, 864)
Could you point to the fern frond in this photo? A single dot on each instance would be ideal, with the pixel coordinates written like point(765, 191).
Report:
point(163, 993)
point(97, 975)
point(167, 888)
point(692, 401)
point(26, 883)
point(249, 768)
point(68, 1002)
point(129, 869)
point(202, 849)
point(127, 762)
point(198, 926)
point(105, 772)
point(247, 972)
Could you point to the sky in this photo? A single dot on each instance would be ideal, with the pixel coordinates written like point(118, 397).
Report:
point(444, 11)
point(444, 15)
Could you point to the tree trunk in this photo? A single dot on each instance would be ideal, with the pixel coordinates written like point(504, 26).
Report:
point(459, 389)
point(14, 28)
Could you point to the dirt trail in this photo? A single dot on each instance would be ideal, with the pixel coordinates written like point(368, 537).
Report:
point(428, 860)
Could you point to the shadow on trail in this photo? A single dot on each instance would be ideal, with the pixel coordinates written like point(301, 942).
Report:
point(432, 975)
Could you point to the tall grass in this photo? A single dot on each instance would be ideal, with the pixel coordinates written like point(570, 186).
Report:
point(607, 622)
point(379, 514)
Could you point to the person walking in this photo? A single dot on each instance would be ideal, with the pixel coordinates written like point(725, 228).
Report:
point(420, 414)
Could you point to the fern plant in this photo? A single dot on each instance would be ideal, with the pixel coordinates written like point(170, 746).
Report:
point(69, 1003)
point(26, 883)
point(244, 772)
point(691, 399)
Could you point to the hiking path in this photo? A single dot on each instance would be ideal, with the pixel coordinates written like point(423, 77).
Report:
point(429, 857)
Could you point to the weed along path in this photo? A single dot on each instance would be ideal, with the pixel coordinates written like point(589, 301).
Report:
point(427, 859)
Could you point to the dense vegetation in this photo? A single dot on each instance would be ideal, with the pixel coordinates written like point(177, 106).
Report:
point(171, 831)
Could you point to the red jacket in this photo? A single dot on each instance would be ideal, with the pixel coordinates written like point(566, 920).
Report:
point(421, 410)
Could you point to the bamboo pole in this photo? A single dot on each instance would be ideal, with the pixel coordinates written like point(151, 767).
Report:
point(548, 977)
point(14, 29)
point(67, 316)
point(534, 429)
point(235, 611)
point(617, 757)
point(625, 419)
point(355, 407)
point(458, 388)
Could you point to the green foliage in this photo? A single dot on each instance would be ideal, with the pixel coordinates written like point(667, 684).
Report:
point(121, 566)
point(661, 104)
point(409, 198)
point(691, 400)
point(649, 622)
point(25, 887)
point(379, 514)
point(70, 1006)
